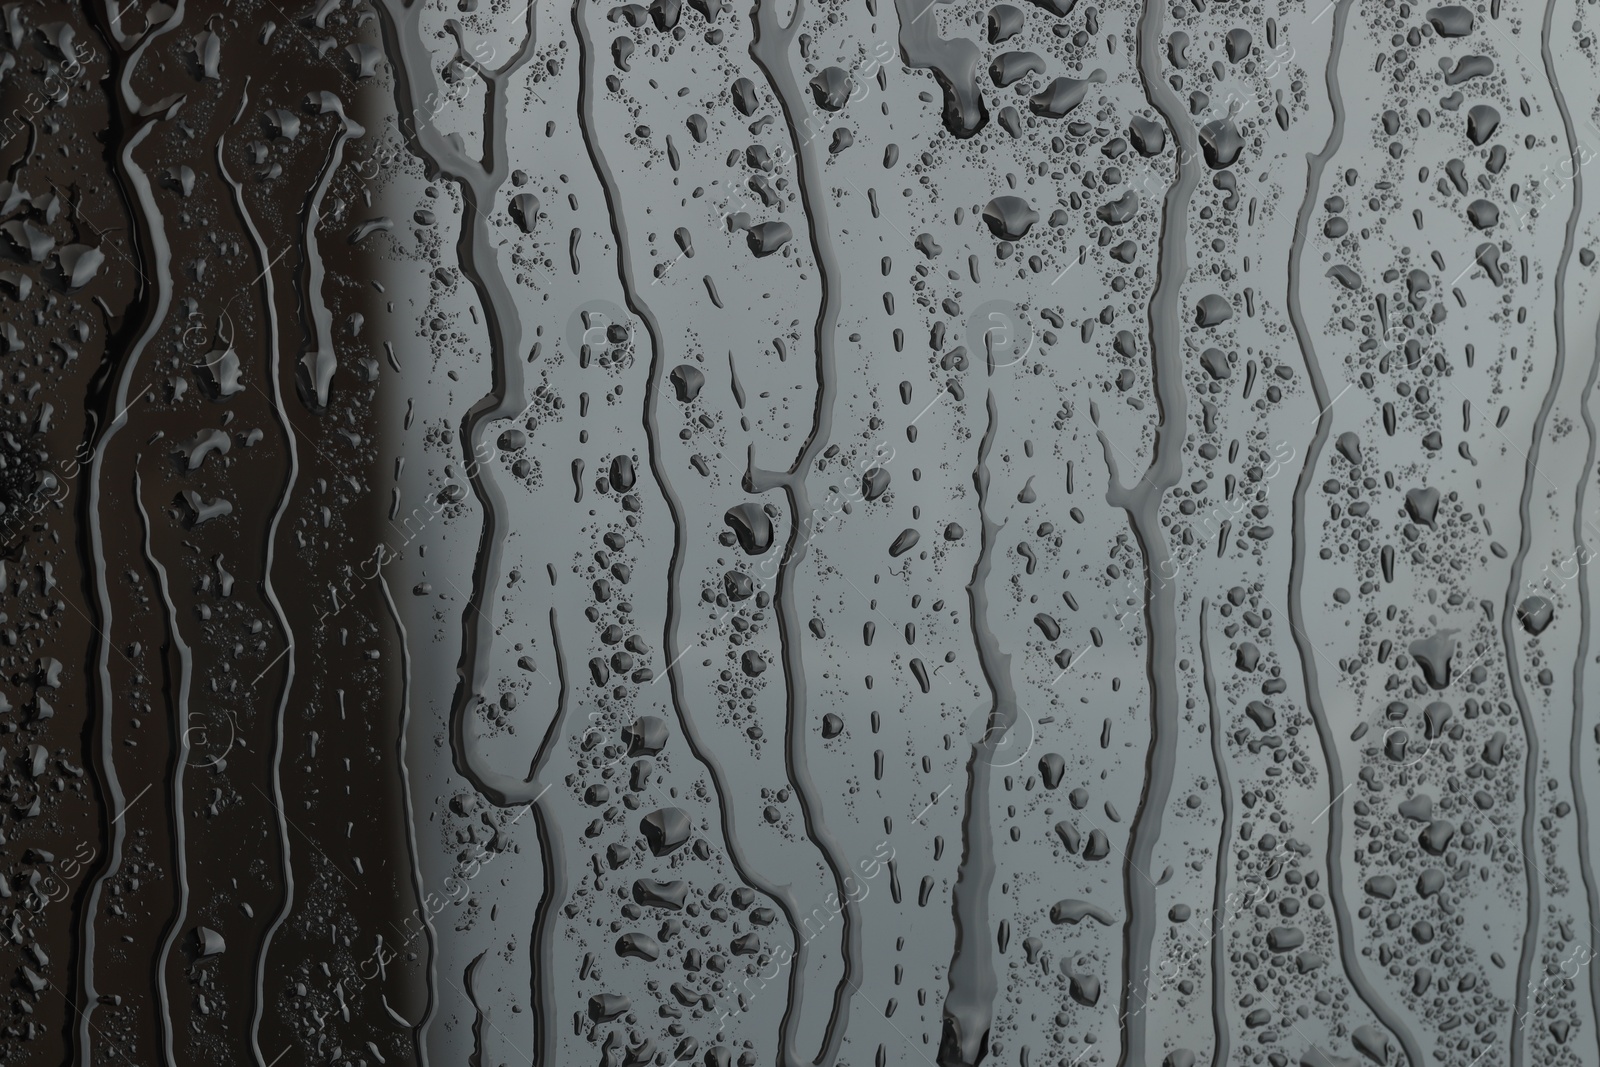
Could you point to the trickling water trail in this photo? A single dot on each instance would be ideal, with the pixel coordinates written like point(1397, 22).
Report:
point(1580, 662)
point(1575, 767)
point(273, 346)
point(1143, 156)
point(1219, 897)
point(401, 742)
point(553, 861)
point(180, 726)
point(317, 361)
point(770, 48)
point(160, 266)
point(1142, 502)
point(509, 791)
point(469, 979)
point(1526, 983)
point(479, 181)
point(974, 983)
point(136, 191)
point(1348, 953)
point(795, 737)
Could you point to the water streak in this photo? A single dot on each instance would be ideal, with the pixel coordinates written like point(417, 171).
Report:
point(1348, 953)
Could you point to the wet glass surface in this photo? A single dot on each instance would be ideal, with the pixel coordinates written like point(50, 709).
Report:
point(1041, 534)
